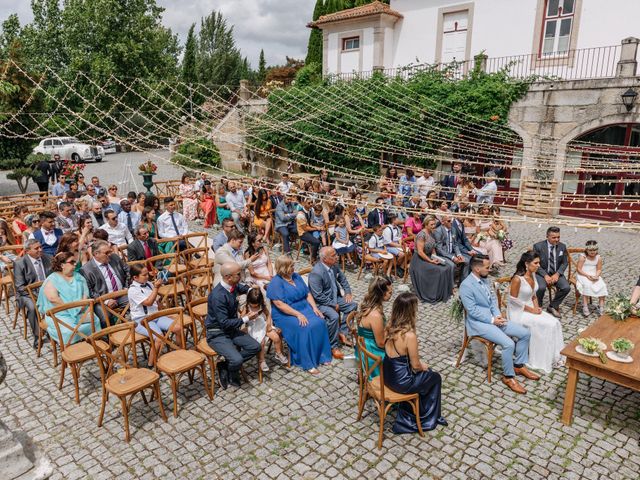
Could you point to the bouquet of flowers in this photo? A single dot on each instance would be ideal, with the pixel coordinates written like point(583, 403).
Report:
point(148, 167)
point(481, 237)
point(72, 170)
point(619, 307)
point(456, 311)
point(505, 241)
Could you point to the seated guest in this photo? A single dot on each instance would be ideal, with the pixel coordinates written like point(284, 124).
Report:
point(33, 267)
point(523, 309)
point(66, 221)
point(32, 221)
point(96, 215)
point(221, 238)
point(488, 190)
point(112, 194)
point(296, 314)
point(107, 204)
point(342, 242)
point(490, 244)
point(106, 273)
point(332, 293)
point(285, 185)
point(77, 244)
point(231, 252)
point(148, 221)
point(554, 260)
point(450, 182)
point(238, 205)
point(6, 239)
point(61, 187)
point(405, 373)
point(61, 287)
point(392, 235)
point(128, 218)
point(371, 319)
point(448, 249)
point(90, 196)
point(425, 183)
point(143, 301)
point(377, 216)
point(285, 221)
point(407, 184)
point(262, 209)
point(172, 224)
point(305, 229)
point(484, 319)
point(460, 238)
point(143, 246)
point(47, 235)
point(260, 269)
point(95, 181)
point(589, 280)
point(119, 234)
point(412, 227)
point(224, 327)
point(431, 276)
point(378, 252)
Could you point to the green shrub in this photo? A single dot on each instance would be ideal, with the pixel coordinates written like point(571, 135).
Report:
point(199, 153)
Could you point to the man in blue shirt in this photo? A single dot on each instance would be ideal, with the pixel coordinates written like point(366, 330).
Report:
point(59, 188)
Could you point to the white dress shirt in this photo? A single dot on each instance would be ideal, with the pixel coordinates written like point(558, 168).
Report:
point(48, 235)
point(424, 185)
point(135, 218)
point(137, 294)
point(236, 201)
point(284, 187)
point(166, 228)
point(391, 234)
point(105, 275)
point(118, 235)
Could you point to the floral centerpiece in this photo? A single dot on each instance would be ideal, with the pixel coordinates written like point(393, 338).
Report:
point(594, 345)
point(71, 170)
point(619, 307)
point(148, 167)
point(622, 346)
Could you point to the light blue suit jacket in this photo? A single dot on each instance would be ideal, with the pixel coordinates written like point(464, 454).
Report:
point(481, 309)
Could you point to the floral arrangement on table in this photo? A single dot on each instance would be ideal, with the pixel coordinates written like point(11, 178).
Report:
point(594, 345)
point(619, 307)
point(71, 169)
point(148, 167)
point(622, 346)
point(456, 310)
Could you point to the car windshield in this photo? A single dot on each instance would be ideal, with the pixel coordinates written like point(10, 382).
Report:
point(68, 140)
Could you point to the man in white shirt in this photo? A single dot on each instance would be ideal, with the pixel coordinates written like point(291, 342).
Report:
point(128, 218)
point(171, 223)
point(425, 183)
point(200, 182)
point(392, 235)
point(238, 205)
point(489, 189)
point(91, 195)
point(285, 185)
point(118, 233)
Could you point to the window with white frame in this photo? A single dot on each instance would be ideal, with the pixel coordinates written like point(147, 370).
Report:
point(557, 27)
point(350, 43)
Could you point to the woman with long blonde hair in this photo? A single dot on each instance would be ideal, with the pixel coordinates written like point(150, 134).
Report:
point(404, 372)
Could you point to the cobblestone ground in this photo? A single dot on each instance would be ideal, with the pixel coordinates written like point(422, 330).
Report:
point(295, 425)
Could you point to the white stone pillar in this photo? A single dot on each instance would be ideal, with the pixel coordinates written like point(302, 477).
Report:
point(627, 66)
point(244, 93)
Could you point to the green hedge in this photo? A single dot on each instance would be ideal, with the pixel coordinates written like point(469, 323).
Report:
point(198, 153)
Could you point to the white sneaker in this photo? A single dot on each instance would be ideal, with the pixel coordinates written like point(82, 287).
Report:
point(282, 358)
point(264, 367)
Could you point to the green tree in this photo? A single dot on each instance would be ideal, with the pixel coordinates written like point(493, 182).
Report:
point(314, 47)
point(189, 72)
point(262, 67)
point(10, 33)
point(333, 6)
point(219, 60)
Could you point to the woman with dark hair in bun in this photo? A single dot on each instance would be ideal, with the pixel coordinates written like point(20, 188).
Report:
point(64, 286)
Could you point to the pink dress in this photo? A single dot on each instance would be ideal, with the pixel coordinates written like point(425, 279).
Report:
point(470, 233)
point(492, 245)
point(260, 267)
point(411, 227)
point(189, 202)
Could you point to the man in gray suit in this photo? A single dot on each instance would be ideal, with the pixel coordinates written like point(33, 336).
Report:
point(106, 273)
point(325, 283)
point(449, 249)
point(34, 267)
point(66, 221)
point(554, 261)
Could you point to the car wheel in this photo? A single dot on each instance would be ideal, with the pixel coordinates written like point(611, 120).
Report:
point(75, 157)
point(98, 159)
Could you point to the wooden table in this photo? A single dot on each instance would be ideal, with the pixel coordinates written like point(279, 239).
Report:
point(625, 374)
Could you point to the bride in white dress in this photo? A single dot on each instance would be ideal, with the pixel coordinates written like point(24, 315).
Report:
point(522, 308)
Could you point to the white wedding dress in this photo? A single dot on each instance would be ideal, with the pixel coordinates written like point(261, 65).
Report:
point(546, 331)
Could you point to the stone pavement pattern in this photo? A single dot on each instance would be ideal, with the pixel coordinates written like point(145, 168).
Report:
point(297, 425)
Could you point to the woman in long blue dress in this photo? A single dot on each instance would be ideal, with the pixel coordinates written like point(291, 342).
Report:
point(61, 287)
point(405, 373)
point(296, 314)
point(371, 319)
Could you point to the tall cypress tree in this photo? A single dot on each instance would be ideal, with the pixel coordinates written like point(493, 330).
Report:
point(314, 48)
point(334, 6)
point(189, 73)
point(262, 67)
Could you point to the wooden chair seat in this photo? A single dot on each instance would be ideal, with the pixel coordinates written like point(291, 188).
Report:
point(199, 282)
point(178, 361)
point(177, 268)
point(187, 321)
point(373, 389)
point(200, 310)
point(136, 379)
point(200, 262)
point(118, 337)
point(7, 280)
point(81, 351)
point(203, 347)
point(166, 290)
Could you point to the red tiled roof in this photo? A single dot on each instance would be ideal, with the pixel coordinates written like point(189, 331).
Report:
point(374, 8)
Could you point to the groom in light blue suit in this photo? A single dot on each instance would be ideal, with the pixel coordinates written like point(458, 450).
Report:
point(484, 320)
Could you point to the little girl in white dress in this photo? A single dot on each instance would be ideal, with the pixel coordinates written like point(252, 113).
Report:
point(588, 278)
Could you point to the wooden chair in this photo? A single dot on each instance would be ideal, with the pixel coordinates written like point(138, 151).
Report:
point(136, 380)
point(199, 241)
point(122, 251)
point(178, 360)
point(199, 282)
point(198, 312)
point(75, 354)
point(175, 244)
point(488, 345)
point(6, 281)
point(363, 259)
point(115, 316)
point(383, 396)
point(18, 309)
point(33, 290)
point(196, 257)
point(572, 271)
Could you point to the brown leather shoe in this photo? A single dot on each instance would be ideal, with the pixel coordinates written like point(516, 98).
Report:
point(344, 340)
point(337, 354)
point(513, 384)
point(526, 373)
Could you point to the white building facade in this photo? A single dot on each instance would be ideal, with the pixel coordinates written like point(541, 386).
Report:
point(548, 35)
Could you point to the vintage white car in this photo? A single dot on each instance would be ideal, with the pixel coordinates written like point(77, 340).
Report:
point(69, 148)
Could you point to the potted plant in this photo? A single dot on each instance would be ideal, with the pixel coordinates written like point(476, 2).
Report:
point(148, 170)
point(622, 346)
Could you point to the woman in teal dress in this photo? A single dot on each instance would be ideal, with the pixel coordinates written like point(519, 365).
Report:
point(61, 287)
point(222, 211)
point(371, 319)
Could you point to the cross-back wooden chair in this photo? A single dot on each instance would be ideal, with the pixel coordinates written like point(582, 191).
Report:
point(199, 282)
point(8, 285)
point(33, 290)
point(178, 360)
point(377, 263)
point(176, 293)
point(76, 350)
point(572, 271)
point(115, 316)
point(198, 312)
point(488, 345)
point(6, 281)
point(132, 381)
point(383, 396)
point(122, 251)
point(169, 245)
point(196, 257)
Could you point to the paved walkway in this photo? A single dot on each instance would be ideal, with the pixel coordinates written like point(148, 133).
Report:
point(295, 425)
